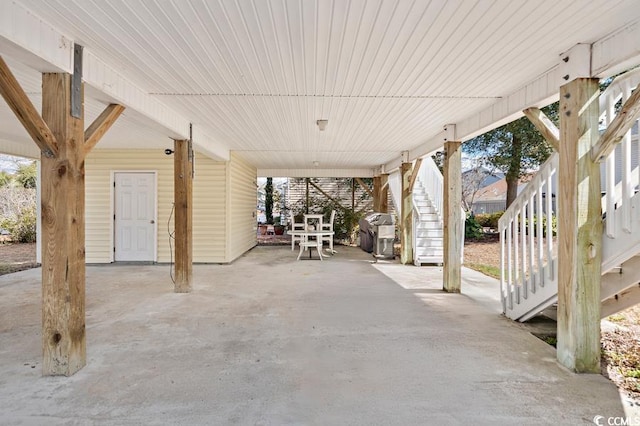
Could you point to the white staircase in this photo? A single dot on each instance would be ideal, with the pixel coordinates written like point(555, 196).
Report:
point(427, 202)
point(529, 276)
point(427, 227)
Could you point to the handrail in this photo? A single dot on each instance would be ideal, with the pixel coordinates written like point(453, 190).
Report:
point(526, 234)
point(618, 190)
point(430, 176)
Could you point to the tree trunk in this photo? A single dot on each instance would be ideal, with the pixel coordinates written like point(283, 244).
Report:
point(512, 189)
point(513, 174)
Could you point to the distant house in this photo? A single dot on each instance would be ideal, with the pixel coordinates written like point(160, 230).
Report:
point(475, 180)
point(493, 198)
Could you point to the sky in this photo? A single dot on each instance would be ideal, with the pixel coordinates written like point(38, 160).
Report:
point(10, 163)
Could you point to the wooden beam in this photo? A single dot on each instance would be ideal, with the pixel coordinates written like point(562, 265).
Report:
point(414, 173)
point(620, 125)
point(625, 299)
point(580, 229)
point(364, 186)
point(22, 107)
point(406, 222)
point(452, 217)
point(183, 199)
point(63, 257)
point(545, 126)
point(306, 204)
point(353, 195)
point(101, 125)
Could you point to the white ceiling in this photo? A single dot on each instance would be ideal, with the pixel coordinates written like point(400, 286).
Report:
point(387, 74)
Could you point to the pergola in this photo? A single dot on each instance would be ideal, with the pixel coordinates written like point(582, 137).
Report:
point(396, 80)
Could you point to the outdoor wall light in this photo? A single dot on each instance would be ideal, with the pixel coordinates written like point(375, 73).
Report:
point(168, 151)
point(322, 124)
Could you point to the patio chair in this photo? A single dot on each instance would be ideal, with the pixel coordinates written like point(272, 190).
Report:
point(295, 226)
point(329, 227)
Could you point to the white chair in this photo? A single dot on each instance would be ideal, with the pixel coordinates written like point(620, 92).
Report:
point(295, 226)
point(329, 227)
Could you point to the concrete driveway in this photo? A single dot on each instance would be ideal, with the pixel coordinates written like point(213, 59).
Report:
point(271, 341)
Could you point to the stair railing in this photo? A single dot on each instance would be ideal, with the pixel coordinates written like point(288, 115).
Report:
point(431, 179)
point(526, 238)
point(527, 255)
point(621, 180)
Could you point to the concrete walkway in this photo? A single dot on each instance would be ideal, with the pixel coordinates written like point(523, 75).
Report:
point(271, 341)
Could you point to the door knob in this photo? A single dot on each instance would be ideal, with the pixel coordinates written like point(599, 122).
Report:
point(152, 221)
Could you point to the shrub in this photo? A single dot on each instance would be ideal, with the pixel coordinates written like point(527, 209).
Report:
point(472, 229)
point(554, 226)
point(22, 228)
point(18, 212)
point(489, 220)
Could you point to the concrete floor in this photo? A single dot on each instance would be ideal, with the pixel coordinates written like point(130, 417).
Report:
point(271, 341)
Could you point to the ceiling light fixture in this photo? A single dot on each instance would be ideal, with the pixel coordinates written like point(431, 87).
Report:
point(316, 163)
point(322, 124)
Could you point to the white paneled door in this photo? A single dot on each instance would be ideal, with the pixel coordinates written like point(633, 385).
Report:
point(135, 204)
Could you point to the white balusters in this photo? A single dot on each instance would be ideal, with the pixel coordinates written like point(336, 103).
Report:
point(526, 233)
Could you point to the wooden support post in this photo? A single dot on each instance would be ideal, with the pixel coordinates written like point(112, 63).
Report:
point(452, 215)
point(183, 198)
point(353, 194)
point(406, 222)
point(306, 204)
point(580, 229)
point(377, 193)
point(61, 139)
point(384, 194)
point(63, 258)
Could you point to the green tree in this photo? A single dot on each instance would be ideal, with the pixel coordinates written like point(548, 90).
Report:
point(26, 175)
point(515, 149)
point(268, 200)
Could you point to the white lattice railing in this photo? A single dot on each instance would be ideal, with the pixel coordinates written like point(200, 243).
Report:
point(529, 276)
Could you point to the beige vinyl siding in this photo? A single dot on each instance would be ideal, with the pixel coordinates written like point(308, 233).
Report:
point(99, 166)
point(242, 207)
point(208, 209)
